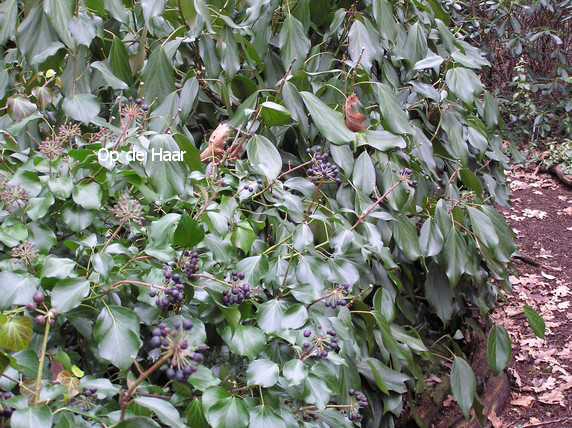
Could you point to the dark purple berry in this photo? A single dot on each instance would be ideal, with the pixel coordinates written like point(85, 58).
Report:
point(30, 307)
point(307, 332)
point(38, 297)
point(187, 324)
point(40, 320)
point(171, 373)
point(155, 341)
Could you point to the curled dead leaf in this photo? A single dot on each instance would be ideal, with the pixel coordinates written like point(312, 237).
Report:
point(354, 119)
point(553, 397)
point(496, 422)
point(217, 143)
point(524, 401)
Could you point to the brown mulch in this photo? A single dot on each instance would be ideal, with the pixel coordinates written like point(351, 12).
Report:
point(539, 391)
point(540, 370)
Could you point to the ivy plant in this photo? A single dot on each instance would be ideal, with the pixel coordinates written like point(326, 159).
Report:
point(326, 239)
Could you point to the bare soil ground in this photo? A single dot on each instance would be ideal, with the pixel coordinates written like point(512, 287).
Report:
point(540, 370)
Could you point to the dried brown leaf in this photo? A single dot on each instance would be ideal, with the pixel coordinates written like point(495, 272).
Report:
point(495, 420)
point(217, 143)
point(354, 119)
point(524, 401)
point(553, 397)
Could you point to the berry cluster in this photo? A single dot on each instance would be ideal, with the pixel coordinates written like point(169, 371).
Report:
point(321, 168)
point(259, 186)
point(406, 174)
point(172, 292)
point(182, 358)
point(336, 297)
point(189, 262)
point(319, 345)
point(7, 410)
point(237, 293)
point(83, 401)
point(49, 316)
point(360, 402)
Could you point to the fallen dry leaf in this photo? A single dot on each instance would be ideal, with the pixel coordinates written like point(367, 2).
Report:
point(534, 213)
point(354, 119)
point(553, 397)
point(495, 420)
point(524, 401)
point(217, 143)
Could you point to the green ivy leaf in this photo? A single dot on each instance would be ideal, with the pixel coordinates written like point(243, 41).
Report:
point(82, 107)
point(20, 108)
point(56, 267)
point(295, 372)
point(463, 385)
point(405, 234)
point(536, 322)
point(262, 372)
point(464, 83)
point(37, 417)
point(16, 333)
point(108, 76)
point(165, 411)
point(264, 157)
point(116, 334)
point(16, 289)
point(499, 349)
point(293, 43)
point(438, 293)
point(266, 417)
point(455, 256)
point(158, 76)
point(82, 28)
point(69, 293)
point(329, 122)
point(274, 114)
point(195, 415)
point(246, 340)
point(229, 412)
point(119, 60)
point(88, 196)
point(188, 233)
point(168, 177)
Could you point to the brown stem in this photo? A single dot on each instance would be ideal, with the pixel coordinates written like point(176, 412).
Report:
point(313, 200)
point(202, 211)
point(124, 401)
point(119, 283)
point(359, 295)
point(112, 237)
point(362, 217)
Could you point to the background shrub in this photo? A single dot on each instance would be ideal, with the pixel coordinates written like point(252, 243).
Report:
point(336, 244)
point(529, 45)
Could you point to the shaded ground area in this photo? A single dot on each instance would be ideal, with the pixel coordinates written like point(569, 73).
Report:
point(540, 370)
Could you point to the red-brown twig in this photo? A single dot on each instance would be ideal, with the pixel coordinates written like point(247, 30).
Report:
point(362, 217)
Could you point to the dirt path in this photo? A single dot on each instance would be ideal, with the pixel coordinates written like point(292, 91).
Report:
point(540, 370)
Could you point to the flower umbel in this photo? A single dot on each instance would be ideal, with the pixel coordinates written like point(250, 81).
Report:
point(68, 132)
point(131, 110)
point(103, 136)
point(51, 148)
point(128, 210)
point(14, 197)
point(26, 252)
